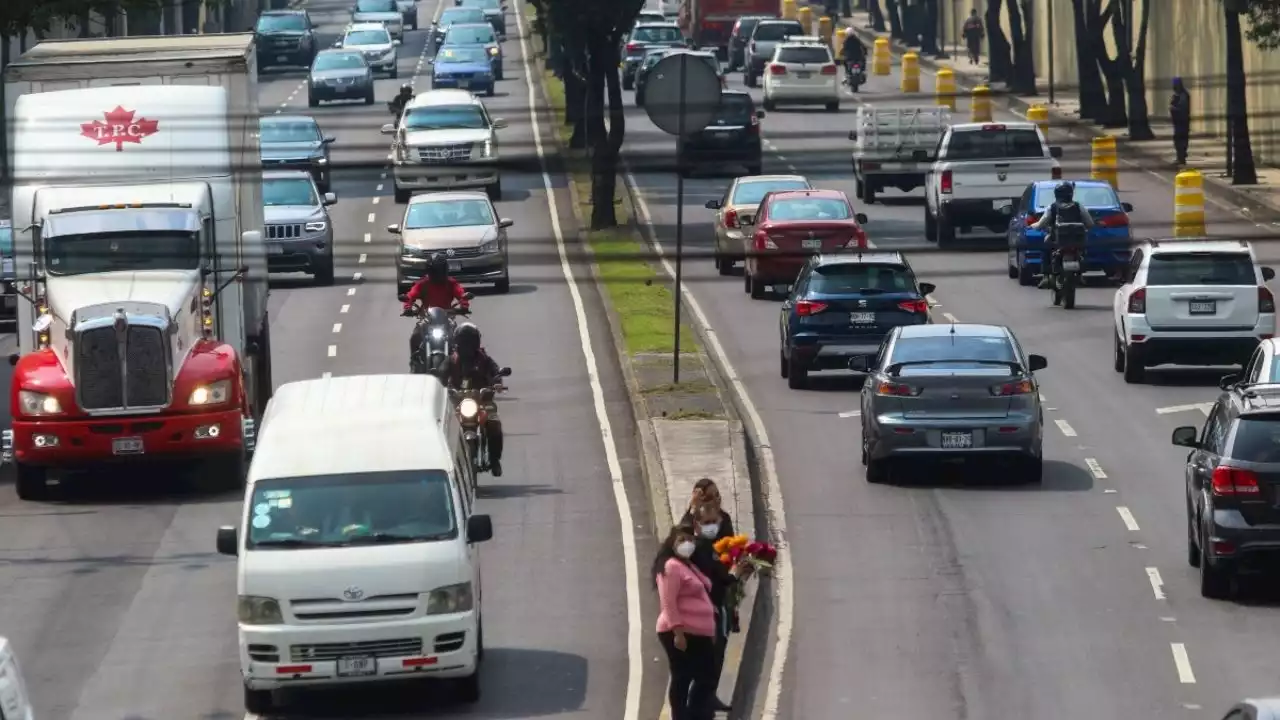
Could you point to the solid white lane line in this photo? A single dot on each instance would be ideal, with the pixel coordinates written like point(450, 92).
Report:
point(344, 309)
point(1065, 427)
point(1095, 468)
point(337, 327)
point(1201, 407)
point(333, 351)
point(1130, 523)
point(851, 414)
point(351, 291)
point(363, 257)
point(1180, 660)
point(368, 237)
point(631, 571)
point(372, 217)
point(1157, 584)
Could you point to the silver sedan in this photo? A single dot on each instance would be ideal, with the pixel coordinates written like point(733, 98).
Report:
point(951, 392)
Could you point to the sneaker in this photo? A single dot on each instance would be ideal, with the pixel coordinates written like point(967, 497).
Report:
point(1044, 283)
point(495, 467)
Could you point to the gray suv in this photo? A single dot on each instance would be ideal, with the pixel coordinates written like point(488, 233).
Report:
point(765, 37)
point(299, 232)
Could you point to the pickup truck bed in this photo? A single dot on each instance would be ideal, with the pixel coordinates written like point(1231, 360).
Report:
point(887, 144)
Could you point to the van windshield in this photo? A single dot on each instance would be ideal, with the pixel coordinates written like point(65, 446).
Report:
point(116, 251)
point(402, 506)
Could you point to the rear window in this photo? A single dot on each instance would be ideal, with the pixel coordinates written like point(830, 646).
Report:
point(1257, 439)
point(1094, 196)
point(952, 349)
point(776, 31)
point(849, 278)
point(804, 55)
point(657, 34)
point(810, 208)
point(735, 109)
point(746, 26)
point(994, 145)
point(1201, 269)
point(752, 193)
point(375, 6)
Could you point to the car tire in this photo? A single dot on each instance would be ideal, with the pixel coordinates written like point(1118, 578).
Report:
point(946, 231)
point(1193, 548)
point(746, 279)
point(868, 193)
point(878, 471)
point(833, 106)
point(748, 78)
point(769, 105)
point(490, 92)
point(503, 286)
point(494, 191)
point(783, 369)
point(1215, 580)
point(395, 73)
point(755, 287)
point(222, 473)
point(1013, 271)
point(31, 482)
point(1026, 276)
point(724, 265)
point(1134, 371)
point(1033, 471)
point(498, 75)
point(312, 101)
point(469, 688)
point(258, 702)
point(930, 226)
point(1118, 360)
point(368, 99)
point(324, 273)
point(628, 83)
point(797, 374)
point(402, 196)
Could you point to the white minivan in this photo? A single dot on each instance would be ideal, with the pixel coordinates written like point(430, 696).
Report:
point(15, 703)
point(357, 557)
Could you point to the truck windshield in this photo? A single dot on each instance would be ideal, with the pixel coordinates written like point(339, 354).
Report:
point(351, 509)
point(374, 6)
point(456, 117)
point(281, 23)
point(115, 251)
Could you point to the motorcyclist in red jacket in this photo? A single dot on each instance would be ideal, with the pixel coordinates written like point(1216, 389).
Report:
point(435, 289)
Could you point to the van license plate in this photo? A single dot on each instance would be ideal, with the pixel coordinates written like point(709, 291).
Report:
point(357, 666)
point(957, 440)
point(127, 446)
point(1204, 307)
point(862, 318)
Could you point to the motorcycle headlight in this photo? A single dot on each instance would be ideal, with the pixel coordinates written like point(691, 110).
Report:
point(468, 408)
point(36, 403)
point(317, 226)
point(256, 610)
point(450, 599)
point(437, 333)
point(211, 394)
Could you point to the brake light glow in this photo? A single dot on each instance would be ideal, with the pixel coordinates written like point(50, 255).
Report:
point(632, 47)
point(894, 389)
point(776, 69)
point(1266, 301)
point(1235, 482)
point(1114, 220)
point(1057, 173)
point(828, 69)
point(1018, 387)
point(1138, 302)
point(1032, 220)
point(764, 243)
point(731, 218)
point(946, 183)
point(806, 308)
point(914, 306)
point(988, 128)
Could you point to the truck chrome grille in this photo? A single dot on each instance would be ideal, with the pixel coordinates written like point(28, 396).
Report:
point(100, 384)
point(147, 382)
point(441, 155)
point(98, 380)
point(322, 652)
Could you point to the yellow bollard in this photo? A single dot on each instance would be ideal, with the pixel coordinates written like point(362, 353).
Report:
point(838, 45)
point(1188, 204)
point(980, 104)
point(1039, 115)
point(910, 73)
point(824, 29)
point(1103, 165)
point(945, 89)
point(880, 57)
point(805, 16)
point(788, 9)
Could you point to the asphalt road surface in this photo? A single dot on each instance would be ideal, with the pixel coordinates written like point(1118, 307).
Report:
point(119, 606)
point(959, 597)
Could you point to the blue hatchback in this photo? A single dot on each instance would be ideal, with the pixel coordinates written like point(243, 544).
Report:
point(842, 306)
point(1107, 248)
point(465, 67)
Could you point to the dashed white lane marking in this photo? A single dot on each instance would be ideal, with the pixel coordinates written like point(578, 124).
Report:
point(1130, 523)
point(1065, 427)
point(383, 176)
point(357, 276)
point(351, 291)
point(950, 318)
point(375, 200)
point(390, 156)
point(344, 309)
point(1180, 660)
point(1157, 584)
point(372, 217)
point(851, 414)
point(363, 257)
point(1095, 468)
point(1109, 491)
point(333, 351)
point(379, 188)
point(325, 374)
point(337, 328)
point(368, 237)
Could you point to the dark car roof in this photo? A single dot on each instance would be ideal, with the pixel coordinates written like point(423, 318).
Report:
point(961, 329)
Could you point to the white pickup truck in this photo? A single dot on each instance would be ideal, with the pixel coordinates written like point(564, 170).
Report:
point(885, 143)
point(978, 174)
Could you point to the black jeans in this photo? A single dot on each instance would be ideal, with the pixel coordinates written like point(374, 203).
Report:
point(692, 676)
point(1181, 139)
point(724, 617)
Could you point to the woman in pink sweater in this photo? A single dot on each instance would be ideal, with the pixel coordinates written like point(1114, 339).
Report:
point(686, 626)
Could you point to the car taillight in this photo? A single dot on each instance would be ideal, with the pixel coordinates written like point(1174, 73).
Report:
point(1032, 220)
point(1138, 302)
point(764, 243)
point(632, 47)
point(1056, 174)
point(946, 182)
point(754, 126)
point(914, 306)
point(1230, 481)
point(1114, 220)
point(1266, 301)
point(896, 389)
point(731, 218)
point(828, 69)
point(776, 69)
point(1018, 387)
point(805, 308)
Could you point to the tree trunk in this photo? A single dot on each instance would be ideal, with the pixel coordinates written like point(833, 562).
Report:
point(1136, 82)
point(1092, 96)
point(1022, 80)
point(895, 19)
point(877, 16)
point(1114, 115)
point(604, 158)
point(1245, 173)
point(1000, 61)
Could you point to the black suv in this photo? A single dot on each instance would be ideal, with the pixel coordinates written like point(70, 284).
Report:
point(732, 138)
point(1233, 486)
point(285, 37)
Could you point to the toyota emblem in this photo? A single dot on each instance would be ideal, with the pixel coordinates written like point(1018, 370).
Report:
point(1002, 176)
point(352, 594)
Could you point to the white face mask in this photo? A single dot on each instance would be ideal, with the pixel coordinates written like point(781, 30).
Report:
point(685, 549)
point(709, 530)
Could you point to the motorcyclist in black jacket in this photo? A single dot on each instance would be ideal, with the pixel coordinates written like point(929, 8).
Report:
point(1064, 209)
point(853, 52)
point(471, 362)
point(401, 100)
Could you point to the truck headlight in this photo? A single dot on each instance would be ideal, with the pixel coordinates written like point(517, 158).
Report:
point(211, 394)
point(317, 226)
point(468, 408)
point(450, 599)
point(256, 610)
point(36, 403)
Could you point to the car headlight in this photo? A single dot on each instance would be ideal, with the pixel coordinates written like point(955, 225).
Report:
point(487, 150)
point(450, 599)
point(437, 333)
point(37, 403)
point(468, 408)
point(493, 51)
point(389, 54)
point(317, 226)
point(256, 610)
point(320, 161)
point(489, 247)
point(211, 394)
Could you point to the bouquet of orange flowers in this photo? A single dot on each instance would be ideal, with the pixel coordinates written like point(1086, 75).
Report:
point(739, 550)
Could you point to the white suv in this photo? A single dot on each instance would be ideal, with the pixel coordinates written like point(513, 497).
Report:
point(445, 141)
point(374, 41)
point(802, 71)
point(1191, 302)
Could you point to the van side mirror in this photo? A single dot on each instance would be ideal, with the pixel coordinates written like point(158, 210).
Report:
point(1226, 382)
point(861, 218)
point(388, 129)
point(1268, 274)
point(504, 372)
point(479, 529)
point(506, 222)
point(1127, 207)
point(860, 363)
point(928, 288)
point(498, 123)
point(1055, 152)
point(712, 205)
point(1185, 436)
point(228, 541)
point(395, 43)
point(393, 229)
point(917, 155)
point(1037, 362)
point(328, 140)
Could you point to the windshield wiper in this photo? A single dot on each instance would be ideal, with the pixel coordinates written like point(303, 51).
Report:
point(378, 538)
point(289, 543)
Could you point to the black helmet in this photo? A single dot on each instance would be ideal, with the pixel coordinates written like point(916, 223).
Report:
point(1064, 192)
point(467, 337)
point(437, 268)
point(406, 89)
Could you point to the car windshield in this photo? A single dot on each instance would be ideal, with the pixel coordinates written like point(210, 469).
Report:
point(282, 23)
point(772, 32)
point(351, 509)
point(1090, 196)
point(288, 131)
point(853, 278)
point(288, 191)
point(656, 34)
point(448, 213)
point(374, 6)
point(957, 351)
point(462, 55)
point(339, 61)
point(735, 109)
point(1201, 268)
point(994, 145)
point(446, 117)
point(807, 55)
point(482, 4)
point(469, 35)
point(116, 251)
point(810, 208)
point(1257, 439)
point(751, 193)
point(460, 16)
point(366, 37)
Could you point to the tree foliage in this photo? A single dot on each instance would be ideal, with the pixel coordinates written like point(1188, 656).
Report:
point(1264, 23)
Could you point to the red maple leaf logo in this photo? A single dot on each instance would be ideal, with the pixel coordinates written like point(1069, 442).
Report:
point(120, 128)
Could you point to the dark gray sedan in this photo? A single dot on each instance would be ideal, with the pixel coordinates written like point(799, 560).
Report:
point(945, 392)
point(340, 75)
point(294, 142)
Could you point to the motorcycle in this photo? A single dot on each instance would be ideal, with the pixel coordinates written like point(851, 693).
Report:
point(472, 404)
point(854, 76)
point(437, 337)
point(1067, 276)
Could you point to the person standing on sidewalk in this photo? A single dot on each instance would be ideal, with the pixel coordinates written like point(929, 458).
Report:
point(973, 32)
point(709, 521)
point(686, 626)
point(1180, 115)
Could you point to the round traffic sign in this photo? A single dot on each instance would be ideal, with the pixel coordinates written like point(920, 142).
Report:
point(682, 94)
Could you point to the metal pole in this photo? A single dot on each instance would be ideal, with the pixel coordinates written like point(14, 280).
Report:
point(942, 31)
point(1051, 58)
point(675, 353)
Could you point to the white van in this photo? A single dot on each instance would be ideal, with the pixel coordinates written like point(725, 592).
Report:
point(357, 547)
point(15, 703)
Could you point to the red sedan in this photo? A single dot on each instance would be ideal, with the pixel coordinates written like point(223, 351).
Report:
point(790, 226)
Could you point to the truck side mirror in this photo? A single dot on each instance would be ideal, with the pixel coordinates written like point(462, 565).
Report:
point(860, 363)
point(479, 528)
point(861, 218)
point(498, 123)
point(393, 229)
point(505, 372)
point(1185, 436)
point(228, 541)
point(506, 222)
point(388, 129)
point(1268, 274)
point(328, 140)
point(928, 288)
point(330, 198)
point(1037, 362)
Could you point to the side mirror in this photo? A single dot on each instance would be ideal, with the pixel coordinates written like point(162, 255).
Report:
point(1268, 274)
point(1127, 207)
point(928, 288)
point(747, 221)
point(861, 218)
point(13, 359)
point(403, 297)
point(920, 155)
point(860, 363)
point(251, 237)
point(1226, 382)
point(330, 198)
point(1037, 362)
point(431, 61)
point(479, 529)
point(337, 43)
point(504, 372)
point(498, 123)
point(853, 135)
point(506, 222)
point(393, 229)
point(228, 542)
point(395, 43)
point(469, 295)
point(388, 129)
point(759, 114)
point(328, 139)
point(1185, 436)
point(1055, 152)
point(1006, 210)
point(712, 205)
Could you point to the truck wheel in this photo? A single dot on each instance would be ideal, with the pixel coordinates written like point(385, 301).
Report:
point(324, 273)
point(222, 473)
point(469, 688)
point(868, 193)
point(1026, 276)
point(769, 105)
point(495, 190)
point(756, 287)
point(946, 231)
point(833, 106)
point(31, 482)
point(930, 226)
point(312, 101)
point(368, 99)
point(262, 373)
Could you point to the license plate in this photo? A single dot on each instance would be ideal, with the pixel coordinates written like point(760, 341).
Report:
point(1204, 307)
point(126, 446)
point(275, 249)
point(812, 244)
point(281, 58)
point(804, 75)
point(957, 440)
point(862, 318)
point(454, 266)
point(357, 666)
point(1071, 265)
